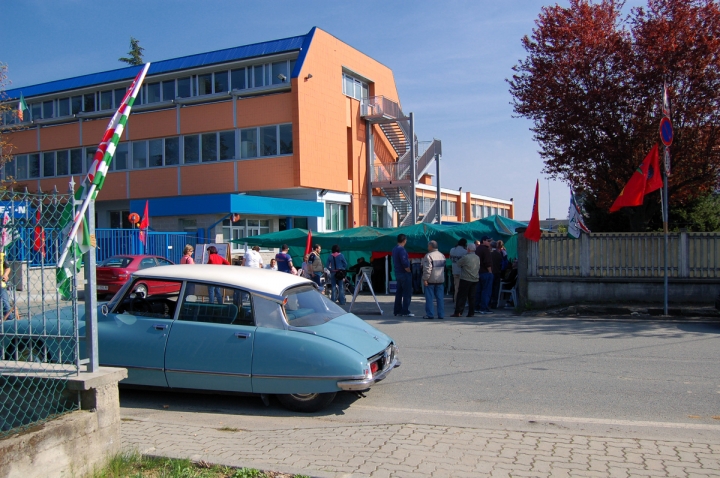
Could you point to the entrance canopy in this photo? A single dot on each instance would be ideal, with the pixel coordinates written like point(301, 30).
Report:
point(228, 203)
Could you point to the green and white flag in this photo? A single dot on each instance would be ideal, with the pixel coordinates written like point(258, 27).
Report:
point(75, 231)
point(576, 221)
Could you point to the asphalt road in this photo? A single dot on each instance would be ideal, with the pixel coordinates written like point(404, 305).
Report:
point(509, 371)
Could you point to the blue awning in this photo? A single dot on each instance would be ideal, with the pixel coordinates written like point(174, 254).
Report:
point(228, 204)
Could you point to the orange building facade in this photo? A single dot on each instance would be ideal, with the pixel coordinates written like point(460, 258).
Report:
point(237, 142)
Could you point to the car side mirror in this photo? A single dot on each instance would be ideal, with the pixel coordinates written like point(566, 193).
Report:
point(104, 310)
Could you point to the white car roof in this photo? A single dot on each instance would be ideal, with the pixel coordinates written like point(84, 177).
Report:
point(264, 281)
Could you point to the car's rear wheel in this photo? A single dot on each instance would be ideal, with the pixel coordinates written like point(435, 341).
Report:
point(306, 402)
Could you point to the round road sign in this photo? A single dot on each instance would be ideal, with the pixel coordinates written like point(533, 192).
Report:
point(666, 131)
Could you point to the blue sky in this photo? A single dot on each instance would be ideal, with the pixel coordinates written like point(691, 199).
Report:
point(450, 60)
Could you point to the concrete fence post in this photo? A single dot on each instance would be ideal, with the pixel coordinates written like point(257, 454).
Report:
point(584, 255)
point(684, 255)
point(522, 267)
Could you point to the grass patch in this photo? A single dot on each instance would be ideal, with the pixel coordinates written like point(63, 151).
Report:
point(228, 429)
point(134, 465)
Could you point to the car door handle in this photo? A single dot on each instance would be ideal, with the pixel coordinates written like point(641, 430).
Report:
point(242, 335)
point(160, 326)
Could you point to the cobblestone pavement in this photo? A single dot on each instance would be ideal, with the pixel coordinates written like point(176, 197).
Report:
point(422, 450)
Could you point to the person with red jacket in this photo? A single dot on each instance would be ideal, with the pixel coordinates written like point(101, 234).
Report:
point(215, 293)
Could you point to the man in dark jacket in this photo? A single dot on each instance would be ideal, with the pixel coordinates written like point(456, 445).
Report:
point(403, 277)
point(497, 259)
point(485, 276)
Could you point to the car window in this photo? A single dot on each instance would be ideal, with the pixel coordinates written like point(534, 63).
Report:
point(216, 304)
point(150, 298)
point(305, 306)
point(121, 262)
point(268, 313)
point(147, 263)
point(163, 262)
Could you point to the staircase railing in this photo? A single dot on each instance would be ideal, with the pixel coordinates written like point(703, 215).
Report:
point(379, 106)
point(429, 150)
point(391, 172)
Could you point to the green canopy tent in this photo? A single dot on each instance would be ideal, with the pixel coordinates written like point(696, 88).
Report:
point(363, 241)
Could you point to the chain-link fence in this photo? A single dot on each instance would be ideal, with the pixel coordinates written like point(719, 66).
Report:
point(38, 329)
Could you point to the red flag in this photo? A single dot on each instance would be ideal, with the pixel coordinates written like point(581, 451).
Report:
point(144, 224)
point(532, 233)
point(39, 233)
point(645, 179)
point(308, 245)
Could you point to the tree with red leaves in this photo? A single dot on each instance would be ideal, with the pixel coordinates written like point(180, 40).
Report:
point(592, 84)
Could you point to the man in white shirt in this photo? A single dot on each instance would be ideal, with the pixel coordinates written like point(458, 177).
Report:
point(455, 254)
point(252, 258)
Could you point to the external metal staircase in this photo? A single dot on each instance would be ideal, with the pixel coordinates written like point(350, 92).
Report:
point(395, 178)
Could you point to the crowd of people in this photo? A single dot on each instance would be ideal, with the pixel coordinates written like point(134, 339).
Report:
point(477, 271)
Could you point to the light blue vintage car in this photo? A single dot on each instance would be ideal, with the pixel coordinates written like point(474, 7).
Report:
point(226, 328)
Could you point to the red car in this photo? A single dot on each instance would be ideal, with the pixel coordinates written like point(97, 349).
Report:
point(115, 271)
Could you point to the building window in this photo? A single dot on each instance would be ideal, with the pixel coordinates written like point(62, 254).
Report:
point(248, 143)
point(48, 164)
point(168, 90)
point(9, 171)
point(156, 152)
point(119, 220)
point(258, 76)
point(237, 79)
point(48, 109)
point(183, 88)
point(192, 149)
point(424, 204)
point(64, 107)
point(234, 230)
point(34, 166)
point(120, 161)
point(355, 88)
point(221, 82)
point(280, 71)
point(209, 147)
point(286, 139)
point(268, 141)
point(172, 151)
point(119, 94)
point(335, 216)
point(36, 111)
point(204, 84)
point(153, 93)
point(89, 102)
point(227, 145)
point(139, 154)
point(76, 104)
point(448, 208)
point(106, 100)
point(22, 166)
point(378, 216)
point(76, 161)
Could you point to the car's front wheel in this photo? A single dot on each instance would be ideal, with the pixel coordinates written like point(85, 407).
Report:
point(306, 402)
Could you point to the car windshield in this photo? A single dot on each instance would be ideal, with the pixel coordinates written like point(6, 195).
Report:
point(116, 261)
point(306, 307)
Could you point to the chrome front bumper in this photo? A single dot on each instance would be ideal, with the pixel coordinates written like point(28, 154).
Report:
point(359, 385)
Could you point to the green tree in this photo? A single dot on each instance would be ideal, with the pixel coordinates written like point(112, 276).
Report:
point(135, 54)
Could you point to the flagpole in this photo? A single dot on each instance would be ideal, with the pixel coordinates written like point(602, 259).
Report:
point(666, 192)
point(665, 229)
